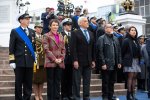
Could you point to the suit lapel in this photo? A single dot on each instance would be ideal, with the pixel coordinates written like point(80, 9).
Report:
point(90, 36)
point(53, 38)
point(82, 35)
point(30, 36)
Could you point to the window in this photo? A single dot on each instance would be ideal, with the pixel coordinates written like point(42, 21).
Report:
point(136, 3)
point(147, 28)
point(136, 9)
point(147, 2)
point(147, 10)
point(147, 19)
point(142, 11)
point(141, 2)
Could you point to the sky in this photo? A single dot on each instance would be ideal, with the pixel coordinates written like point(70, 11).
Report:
point(92, 5)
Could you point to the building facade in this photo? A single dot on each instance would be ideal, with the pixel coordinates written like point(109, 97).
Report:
point(142, 7)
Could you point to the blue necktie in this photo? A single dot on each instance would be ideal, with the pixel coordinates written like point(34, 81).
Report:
point(86, 35)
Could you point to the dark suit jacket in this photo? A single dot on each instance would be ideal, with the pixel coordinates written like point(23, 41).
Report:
point(18, 50)
point(67, 40)
point(81, 50)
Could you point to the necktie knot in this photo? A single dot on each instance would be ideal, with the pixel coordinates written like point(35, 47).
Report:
point(85, 31)
point(25, 30)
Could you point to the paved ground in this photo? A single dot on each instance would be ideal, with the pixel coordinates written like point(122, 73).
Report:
point(140, 96)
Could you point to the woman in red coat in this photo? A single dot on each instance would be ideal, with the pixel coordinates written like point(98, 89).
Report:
point(54, 48)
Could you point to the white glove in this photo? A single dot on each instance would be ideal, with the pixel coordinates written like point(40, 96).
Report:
point(12, 65)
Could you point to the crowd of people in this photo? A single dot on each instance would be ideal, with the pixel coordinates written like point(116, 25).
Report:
point(64, 50)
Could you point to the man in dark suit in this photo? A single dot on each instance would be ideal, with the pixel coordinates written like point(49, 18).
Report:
point(82, 49)
point(46, 17)
point(66, 86)
point(21, 57)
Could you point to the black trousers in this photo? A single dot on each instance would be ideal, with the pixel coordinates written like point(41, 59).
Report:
point(66, 81)
point(108, 80)
point(120, 75)
point(53, 83)
point(23, 77)
point(85, 73)
point(149, 81)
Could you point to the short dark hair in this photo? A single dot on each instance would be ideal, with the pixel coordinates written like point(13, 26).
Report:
point(47, 8)
point(53, 20)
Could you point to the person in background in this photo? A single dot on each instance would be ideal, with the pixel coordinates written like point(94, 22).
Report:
point(148, 51)
point(109, 54)
point(100, 31)
point(93, 26)
point(83, 57)
point(131, 57)
point(22, 57)
point(121, 33)
point(46, 17)
point(39, 75)
point(54, 48)
point(120, 36)
point(60, 17)
point(66, 83)
point(115, 28)
point(143, 63)
point(75, 18)
point(85, 13)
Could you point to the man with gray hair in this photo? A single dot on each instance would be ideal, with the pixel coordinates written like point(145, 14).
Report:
point(82, 49)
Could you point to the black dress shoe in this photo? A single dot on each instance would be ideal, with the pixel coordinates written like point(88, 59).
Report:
point(148, 94)
point(65, 98)
point(87, 98)
point(70, 98)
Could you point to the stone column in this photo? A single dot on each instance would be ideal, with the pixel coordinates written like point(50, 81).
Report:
point(133, 20)
point(8, 20)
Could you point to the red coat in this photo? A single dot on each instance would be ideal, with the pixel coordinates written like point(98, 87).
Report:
point(53, 50)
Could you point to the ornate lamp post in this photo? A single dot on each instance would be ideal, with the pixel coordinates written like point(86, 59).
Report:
point(128, 5)
point(65, 7)
point(22, 5)
point(27, 4)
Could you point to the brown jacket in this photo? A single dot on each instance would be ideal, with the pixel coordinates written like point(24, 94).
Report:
point(53, 50)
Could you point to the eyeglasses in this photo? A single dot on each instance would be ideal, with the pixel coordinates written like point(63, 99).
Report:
point(78, 11)
point(109, 27)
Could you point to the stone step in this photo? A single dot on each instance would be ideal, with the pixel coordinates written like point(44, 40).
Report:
point(4, 54)
point(12, 77)
point(4, 63)
point(7, 77)
point(12, 83)
point(9, 90)
point(4, 57)
point(92, 94)
point(5, 71)
point(99, 86)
